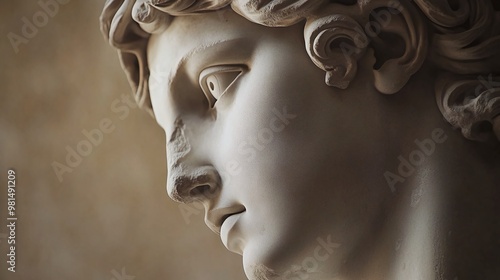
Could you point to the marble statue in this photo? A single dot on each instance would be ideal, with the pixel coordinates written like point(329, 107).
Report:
point(341, 139)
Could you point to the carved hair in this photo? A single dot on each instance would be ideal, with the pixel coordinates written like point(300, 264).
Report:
point(459, 37)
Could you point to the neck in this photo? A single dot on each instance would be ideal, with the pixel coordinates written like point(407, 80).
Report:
point(444, 224)
point(442, 219)
point(468, 212)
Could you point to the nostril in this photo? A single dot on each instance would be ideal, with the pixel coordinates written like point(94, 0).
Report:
point(186, 185)
point(202, 192)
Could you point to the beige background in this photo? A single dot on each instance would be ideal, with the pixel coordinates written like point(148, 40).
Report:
point(111, 212)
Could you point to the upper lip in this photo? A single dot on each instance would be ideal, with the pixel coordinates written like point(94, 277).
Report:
point(214, 218)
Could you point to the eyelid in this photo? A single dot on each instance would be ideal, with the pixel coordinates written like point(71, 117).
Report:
point(213, 70)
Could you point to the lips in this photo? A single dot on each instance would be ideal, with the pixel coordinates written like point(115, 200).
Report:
point(228, 216)
point(215, 218)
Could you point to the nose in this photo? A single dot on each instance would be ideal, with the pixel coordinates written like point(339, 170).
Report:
point(187, 184)
point(188, 180)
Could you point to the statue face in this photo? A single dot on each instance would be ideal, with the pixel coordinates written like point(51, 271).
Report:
point(287, 159)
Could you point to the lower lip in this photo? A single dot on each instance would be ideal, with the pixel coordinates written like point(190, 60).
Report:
point(231, 243)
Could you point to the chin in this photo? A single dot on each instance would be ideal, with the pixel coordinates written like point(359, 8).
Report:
point(256, 265)
point(262, 262)
point(263, 272)
point(260, 272)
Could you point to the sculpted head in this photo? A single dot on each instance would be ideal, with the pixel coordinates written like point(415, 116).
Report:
point(281, 117)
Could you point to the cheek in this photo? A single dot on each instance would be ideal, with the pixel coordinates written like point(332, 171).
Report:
point(268, 145)
point(255, 129)
point(270, 133)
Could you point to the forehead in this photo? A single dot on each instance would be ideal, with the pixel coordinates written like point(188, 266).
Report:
point(191, 33)
point(190, 43)
point(193, 43)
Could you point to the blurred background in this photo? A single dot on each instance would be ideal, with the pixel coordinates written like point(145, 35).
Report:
point(87, 210)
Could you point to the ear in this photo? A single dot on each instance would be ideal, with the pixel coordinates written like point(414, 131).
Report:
point(395, 31)
point(399, 37)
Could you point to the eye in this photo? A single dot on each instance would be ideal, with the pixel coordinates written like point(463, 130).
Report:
point(215, 81)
